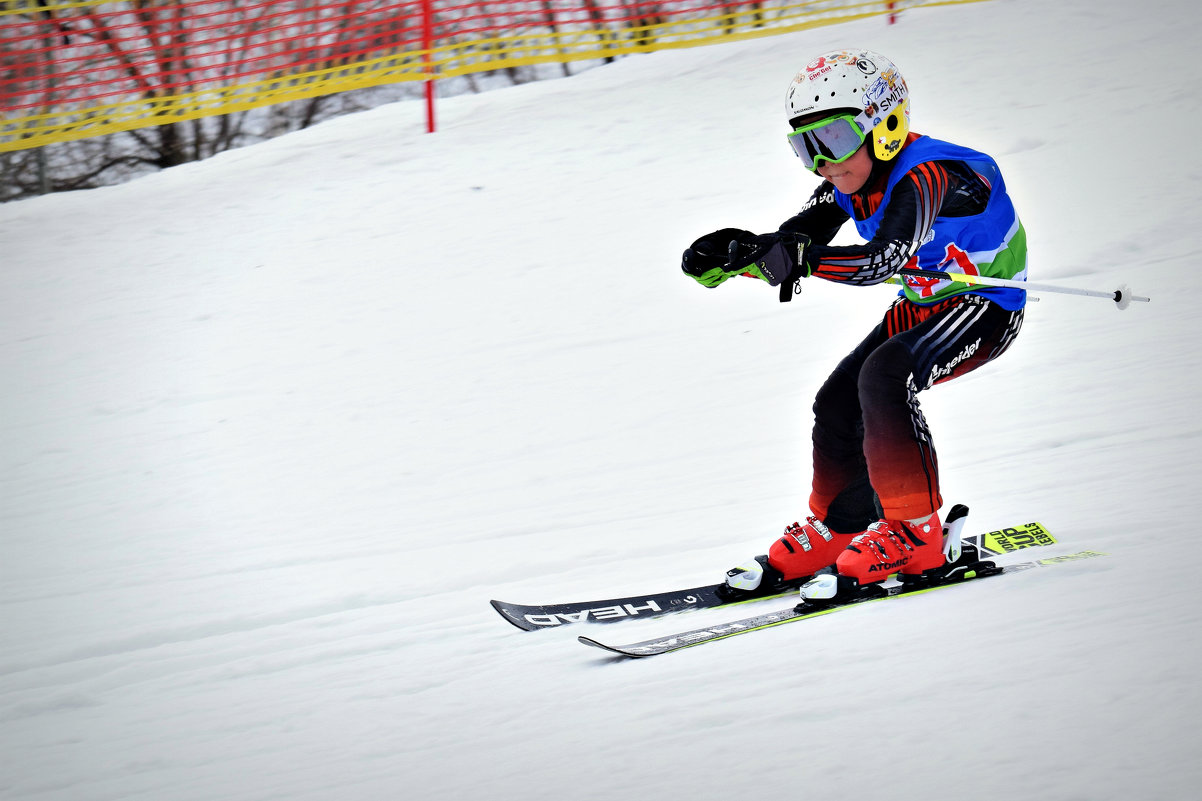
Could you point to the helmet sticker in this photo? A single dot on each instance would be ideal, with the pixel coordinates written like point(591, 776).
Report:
point(824, 64)
point(854, 79)
point(890, 145)
point(886, 91)
point(814, 72)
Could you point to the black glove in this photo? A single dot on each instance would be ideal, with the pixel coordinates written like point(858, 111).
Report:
point(706, 260)
point(778, 258)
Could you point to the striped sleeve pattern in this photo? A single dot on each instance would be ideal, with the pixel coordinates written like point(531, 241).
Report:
point(915, 203)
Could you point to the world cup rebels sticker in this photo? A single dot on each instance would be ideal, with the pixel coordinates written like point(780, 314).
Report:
point(1030, 535)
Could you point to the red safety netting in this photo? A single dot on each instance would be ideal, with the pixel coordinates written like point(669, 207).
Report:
point(95, 53)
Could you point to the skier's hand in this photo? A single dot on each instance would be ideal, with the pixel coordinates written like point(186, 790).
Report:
point(706, 260)
point(775, 258)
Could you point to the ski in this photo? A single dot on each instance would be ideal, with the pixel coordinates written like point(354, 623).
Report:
point(710, 596)
point(806, 609)
point(532, 618)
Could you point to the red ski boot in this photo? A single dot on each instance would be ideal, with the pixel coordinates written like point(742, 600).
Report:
point(804, 550)
point(908, 547)
point(799, 554)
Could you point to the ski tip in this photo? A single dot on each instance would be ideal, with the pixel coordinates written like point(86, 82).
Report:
point(607, 648)
point(503, 610)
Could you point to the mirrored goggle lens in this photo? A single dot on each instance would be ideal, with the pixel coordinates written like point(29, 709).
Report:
point(832, 140)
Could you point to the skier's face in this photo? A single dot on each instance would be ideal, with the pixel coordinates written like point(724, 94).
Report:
point(850, 175)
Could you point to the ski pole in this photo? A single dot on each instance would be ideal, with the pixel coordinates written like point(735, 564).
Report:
point(1122, 296)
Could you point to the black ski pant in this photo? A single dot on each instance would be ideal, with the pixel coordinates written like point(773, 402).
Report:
point(873, 454)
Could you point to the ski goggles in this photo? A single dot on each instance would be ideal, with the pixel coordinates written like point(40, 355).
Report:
point(834, 139)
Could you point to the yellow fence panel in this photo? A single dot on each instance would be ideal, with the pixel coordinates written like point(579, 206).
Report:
point(76, 69)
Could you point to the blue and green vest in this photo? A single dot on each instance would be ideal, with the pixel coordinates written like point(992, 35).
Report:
point(991, 243)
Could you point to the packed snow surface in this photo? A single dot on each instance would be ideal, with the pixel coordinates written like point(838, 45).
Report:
point(276, 427)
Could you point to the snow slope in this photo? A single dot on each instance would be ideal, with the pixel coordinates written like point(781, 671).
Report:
point(278, 425)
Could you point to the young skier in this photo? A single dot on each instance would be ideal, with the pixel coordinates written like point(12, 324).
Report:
point(920, 203)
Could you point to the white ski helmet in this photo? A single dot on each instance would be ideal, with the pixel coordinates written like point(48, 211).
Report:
point(859, 82)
